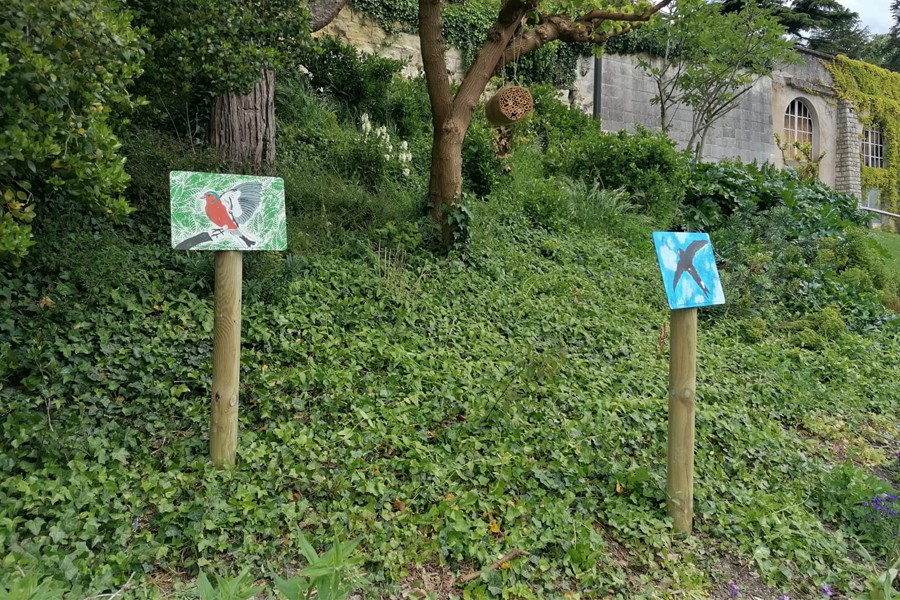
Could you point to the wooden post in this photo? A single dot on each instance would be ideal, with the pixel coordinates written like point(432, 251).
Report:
point(223, 431)
point(682, 400)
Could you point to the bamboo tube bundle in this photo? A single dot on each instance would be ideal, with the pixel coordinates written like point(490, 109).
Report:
point(509, 105)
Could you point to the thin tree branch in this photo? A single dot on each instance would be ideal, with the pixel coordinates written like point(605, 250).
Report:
point(582, 29)
point(606, 15)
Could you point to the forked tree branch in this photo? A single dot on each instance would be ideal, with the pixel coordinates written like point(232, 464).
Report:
point(585, 29)
point(498, 38)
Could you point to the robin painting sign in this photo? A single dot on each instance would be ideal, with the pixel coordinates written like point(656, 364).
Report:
point(688, 268)
point(216, 211)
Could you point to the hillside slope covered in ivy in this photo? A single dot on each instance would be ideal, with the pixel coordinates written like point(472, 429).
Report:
point(446, 410)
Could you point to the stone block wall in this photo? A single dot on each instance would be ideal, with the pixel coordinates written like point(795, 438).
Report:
point(847, 172)
point(625, 102)
point(361, 32)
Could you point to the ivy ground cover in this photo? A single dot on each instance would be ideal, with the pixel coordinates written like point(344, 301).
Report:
point(444, 411)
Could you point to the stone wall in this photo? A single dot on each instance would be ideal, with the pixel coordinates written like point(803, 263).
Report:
point(810, 81)
point(625, 99)
point(361, 32)
point(848, 172)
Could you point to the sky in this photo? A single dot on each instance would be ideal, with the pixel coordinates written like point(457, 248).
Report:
point(875, 14)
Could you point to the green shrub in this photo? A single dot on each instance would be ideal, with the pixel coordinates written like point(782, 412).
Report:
point(716, 192)
point(481, 167)
point(871, 507)
point(151, 154)
point(645, 164)
point(754, 329)
point(829, 322)
point(788, 245)
point(598, 209)
point(553, 124)
point(64, 70)
point(408, 109)
point(359, 82)
point(324, 204)
point(202, 48)
point(548, 203)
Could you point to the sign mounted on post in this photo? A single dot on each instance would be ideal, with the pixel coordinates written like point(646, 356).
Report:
point(215, 211)
point(691, 279)
point(229, 214)
point(688, 269)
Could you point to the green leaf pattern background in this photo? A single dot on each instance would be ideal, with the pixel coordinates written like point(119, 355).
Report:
point(268, 226)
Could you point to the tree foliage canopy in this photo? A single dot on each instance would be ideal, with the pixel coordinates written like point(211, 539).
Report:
point(64, 70)
point(823, 25)
point(892, 42)
point(708, 60)
point(200, 48)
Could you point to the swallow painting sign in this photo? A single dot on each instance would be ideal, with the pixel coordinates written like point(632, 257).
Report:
point(689, 274)
point(215, 211)
point(688, 268)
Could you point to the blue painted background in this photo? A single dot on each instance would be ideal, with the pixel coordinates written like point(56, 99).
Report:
point(688, 294)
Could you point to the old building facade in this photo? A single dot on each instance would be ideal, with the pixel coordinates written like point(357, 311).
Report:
point(797, 103)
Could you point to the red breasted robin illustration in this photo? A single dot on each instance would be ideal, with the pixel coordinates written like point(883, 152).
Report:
point(233, 208)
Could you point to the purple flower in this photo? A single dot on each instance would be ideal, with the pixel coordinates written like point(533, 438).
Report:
point(783, 597)
point(733, 590)
point(826, 591)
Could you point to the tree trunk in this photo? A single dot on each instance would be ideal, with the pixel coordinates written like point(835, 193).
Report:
point(323, 12)
point(445, 184)
point(242, 126)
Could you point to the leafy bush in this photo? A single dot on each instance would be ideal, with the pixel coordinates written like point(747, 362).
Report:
point(872, 507)
point(367, 152)
point(718, 191)
point(481, 168)
point(408, 108)
point(64, 70)
point(788, 245)
point(359, 81)
point(202, 48)
point(150, 155)
point(645, 164)
point(554, 124)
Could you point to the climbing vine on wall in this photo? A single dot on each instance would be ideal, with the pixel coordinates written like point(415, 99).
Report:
point(465, 24)
point(876, 94)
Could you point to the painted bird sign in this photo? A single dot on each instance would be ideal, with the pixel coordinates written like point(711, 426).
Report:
point(216, 211)
point(688, 268)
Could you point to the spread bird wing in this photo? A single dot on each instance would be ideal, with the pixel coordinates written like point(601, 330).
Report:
point(250, 196)
point(693, 272)
point(231, 200)
point(692, 249)
point(678, 272)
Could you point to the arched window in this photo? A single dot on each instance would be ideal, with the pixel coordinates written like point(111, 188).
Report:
point(872, 147)
point(798, 127)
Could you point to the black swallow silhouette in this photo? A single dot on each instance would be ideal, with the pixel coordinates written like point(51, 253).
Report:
point(686, 264)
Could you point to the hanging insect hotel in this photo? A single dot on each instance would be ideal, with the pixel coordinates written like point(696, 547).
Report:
point(509, 105)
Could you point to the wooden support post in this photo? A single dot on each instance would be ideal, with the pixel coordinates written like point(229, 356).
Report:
point(682, 400)
point(223, 430)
